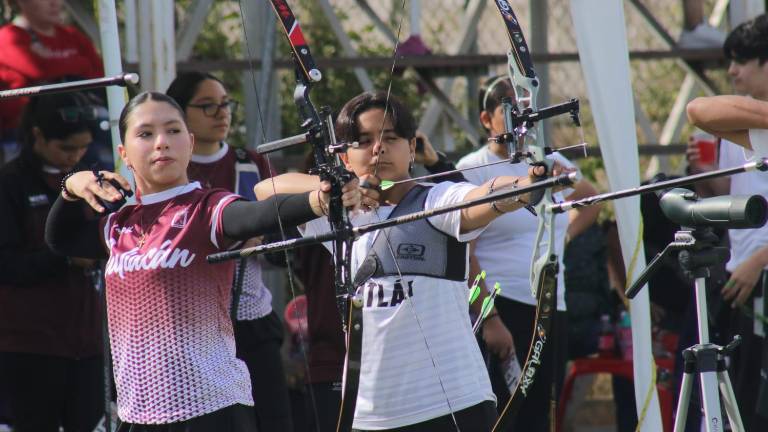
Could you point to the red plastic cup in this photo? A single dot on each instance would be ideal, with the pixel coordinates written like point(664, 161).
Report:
point(706, 145)
point(295, 315)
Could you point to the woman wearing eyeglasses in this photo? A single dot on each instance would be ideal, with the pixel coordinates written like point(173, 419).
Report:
point(50, 313)
point(258, 330)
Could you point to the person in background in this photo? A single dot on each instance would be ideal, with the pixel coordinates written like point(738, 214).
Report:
point(214, 163)
point(503, 250)
point(50, 330)
point(697, 33)
point(37, 48)
point(723, 116)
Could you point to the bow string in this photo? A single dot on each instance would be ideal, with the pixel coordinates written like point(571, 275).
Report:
point(319, 132)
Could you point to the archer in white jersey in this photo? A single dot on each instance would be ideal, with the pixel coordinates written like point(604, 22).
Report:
point(421, 367)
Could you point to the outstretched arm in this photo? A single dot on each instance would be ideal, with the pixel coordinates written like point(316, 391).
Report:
point(291, 183)
point(479, 216)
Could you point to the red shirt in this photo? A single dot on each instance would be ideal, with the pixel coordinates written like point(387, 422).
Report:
point(28, 58)
point(173, 346)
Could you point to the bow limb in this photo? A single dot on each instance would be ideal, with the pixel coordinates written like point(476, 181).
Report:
point(525, 141)
point(319, 132)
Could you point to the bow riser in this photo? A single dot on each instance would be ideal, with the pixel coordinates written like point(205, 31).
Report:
point(320, 134)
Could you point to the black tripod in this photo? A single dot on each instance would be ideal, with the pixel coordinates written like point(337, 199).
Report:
point(699, 252)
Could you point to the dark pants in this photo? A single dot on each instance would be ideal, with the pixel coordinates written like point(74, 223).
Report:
point(519, 319)
point(47, 392)
point(258, 345)
point(324, 400)
point(745, 371)
point(234, 418)
point(477, 418)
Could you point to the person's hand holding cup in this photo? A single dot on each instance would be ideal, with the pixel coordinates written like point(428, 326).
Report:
point(701, 152)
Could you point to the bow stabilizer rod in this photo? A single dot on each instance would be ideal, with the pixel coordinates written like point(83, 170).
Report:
point(118, 80)
point(759, 165)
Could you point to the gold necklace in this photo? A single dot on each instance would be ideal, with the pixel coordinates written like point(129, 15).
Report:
point(145, 232)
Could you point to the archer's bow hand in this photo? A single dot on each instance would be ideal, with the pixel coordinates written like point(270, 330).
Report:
point(350, 195)
point(539, 172)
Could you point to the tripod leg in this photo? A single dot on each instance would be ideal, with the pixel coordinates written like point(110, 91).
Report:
point(683, 401)
point(729, 400)
point(711, 401)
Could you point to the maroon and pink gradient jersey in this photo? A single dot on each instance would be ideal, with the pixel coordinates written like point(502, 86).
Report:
point(173, 345)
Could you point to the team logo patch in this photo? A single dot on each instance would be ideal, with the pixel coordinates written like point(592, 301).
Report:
point(179, 219)
point(411, 251)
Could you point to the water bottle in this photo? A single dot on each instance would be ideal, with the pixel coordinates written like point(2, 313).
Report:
point(624, 331)
point(606, 342)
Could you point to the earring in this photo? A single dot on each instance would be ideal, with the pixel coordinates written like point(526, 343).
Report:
point(410, 165)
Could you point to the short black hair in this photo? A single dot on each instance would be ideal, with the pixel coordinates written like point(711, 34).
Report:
point(141, 98)
point(748, 41)
point(57, 116)
point(401, 117)
point(184, 87)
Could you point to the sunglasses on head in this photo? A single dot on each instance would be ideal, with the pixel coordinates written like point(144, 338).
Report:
point(78, 113)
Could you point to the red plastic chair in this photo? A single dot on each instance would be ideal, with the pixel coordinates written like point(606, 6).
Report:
point(623, 368)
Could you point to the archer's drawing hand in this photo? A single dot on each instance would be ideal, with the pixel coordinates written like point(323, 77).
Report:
point(85, 185)
point(370, 192)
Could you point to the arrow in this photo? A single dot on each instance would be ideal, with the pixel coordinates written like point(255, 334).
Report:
point(387, 184)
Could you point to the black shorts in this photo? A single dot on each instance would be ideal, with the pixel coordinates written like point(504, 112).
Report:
point(234, 418)
point(477, 418)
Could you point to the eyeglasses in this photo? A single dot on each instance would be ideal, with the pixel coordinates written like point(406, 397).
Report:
point(78, 113)
point(212, 109)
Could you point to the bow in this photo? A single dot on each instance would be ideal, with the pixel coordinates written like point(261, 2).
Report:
point(319, 132)
point(524, 138)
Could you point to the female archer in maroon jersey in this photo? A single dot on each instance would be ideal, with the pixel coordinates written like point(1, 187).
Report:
point(172, 339)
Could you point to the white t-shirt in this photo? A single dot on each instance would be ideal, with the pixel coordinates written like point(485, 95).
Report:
point(505, 248)
point(399, 385)
point(744, 242)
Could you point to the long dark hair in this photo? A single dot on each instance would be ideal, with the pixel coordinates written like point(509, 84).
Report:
point(57, 116)
point(140, 99)
point(184, 87)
